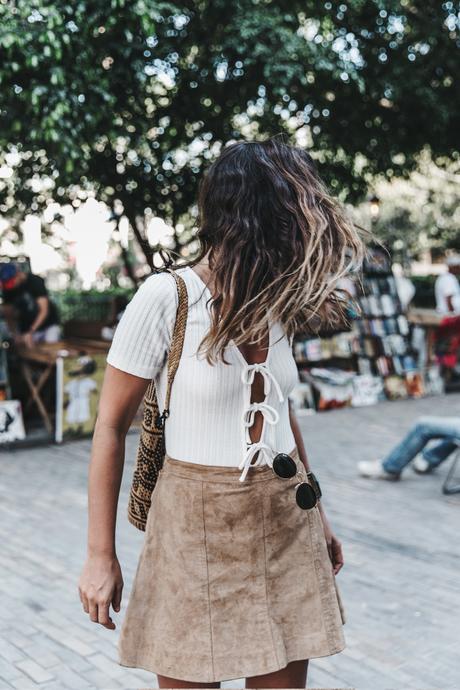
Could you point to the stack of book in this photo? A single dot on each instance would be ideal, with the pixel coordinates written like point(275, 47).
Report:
point(382, 343)
point(376, 353)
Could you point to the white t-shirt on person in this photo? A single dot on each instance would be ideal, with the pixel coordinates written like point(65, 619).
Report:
point(447, 285)
point(210, 408)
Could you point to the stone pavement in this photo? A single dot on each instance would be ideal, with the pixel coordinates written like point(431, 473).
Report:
point(400, 583)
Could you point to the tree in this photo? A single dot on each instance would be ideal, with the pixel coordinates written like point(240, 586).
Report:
point(129, 100)
point(420, 213)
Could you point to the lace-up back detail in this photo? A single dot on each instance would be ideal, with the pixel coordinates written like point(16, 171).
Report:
point(211, 411)
point(264, 448)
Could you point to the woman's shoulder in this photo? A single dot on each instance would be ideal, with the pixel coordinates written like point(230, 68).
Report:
point(159, 291)
point(144, 332)
point(163, 281)
point(159, 288)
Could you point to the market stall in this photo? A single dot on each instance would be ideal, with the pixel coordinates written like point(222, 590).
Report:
point(60, 385)
point(437, 340)
point(371, 359)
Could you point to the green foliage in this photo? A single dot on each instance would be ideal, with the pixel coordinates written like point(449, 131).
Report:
point(130, 100)
point(88, 305)
point(420, 213)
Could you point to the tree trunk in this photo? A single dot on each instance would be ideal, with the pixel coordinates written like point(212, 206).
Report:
point(140, 238)
point(128, 266)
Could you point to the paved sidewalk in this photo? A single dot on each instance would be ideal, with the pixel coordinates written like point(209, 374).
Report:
point(400, 584)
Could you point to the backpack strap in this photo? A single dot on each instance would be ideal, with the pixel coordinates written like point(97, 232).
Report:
point(177, 340)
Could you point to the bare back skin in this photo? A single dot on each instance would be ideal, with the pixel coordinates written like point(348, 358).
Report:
point(252, 353)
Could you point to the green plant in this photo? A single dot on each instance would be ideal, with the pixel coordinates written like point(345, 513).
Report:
point(130, 100)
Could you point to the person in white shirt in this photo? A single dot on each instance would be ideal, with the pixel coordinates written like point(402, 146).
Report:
point(447, 288)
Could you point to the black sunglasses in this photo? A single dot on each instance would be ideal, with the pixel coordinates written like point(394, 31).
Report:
point(307, 493)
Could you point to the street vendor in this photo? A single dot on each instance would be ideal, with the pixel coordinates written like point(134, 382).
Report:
point(31, 315)
point(447, 336)
point(447, 288)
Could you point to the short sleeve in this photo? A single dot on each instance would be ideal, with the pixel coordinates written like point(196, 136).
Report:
point(37, 287)
point(143, 336)
point(448, 285)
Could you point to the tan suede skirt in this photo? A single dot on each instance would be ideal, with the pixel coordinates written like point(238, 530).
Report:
point(234, 579)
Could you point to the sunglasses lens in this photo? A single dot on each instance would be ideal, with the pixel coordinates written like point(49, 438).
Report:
point(284, 466)
point(305, 496)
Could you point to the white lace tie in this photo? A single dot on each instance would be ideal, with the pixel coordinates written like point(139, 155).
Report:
point(249, 372)
point(271, 417)
point(265, 457)
point(268, 412)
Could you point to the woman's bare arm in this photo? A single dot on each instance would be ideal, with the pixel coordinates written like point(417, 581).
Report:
point(333, 544)
point(298, 438)
point(120, 398)
point(101, 582)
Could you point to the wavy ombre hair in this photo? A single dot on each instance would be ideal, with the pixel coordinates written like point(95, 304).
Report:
point(276, 242)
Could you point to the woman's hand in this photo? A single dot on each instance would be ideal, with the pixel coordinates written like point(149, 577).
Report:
point(334, 546)
point(101, 585)
point(101, 582)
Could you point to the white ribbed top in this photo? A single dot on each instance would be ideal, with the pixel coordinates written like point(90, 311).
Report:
point(210, 408)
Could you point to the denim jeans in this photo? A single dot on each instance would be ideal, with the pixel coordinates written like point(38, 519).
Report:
point(426, 429)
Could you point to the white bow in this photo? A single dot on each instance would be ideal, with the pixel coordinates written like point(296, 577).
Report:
point(249, 372)
point(265, 457)
point(269, 413)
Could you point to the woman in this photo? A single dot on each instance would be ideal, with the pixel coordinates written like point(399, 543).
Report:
point(235, 579)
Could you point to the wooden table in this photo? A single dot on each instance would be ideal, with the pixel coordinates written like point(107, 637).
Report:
point(39, 362)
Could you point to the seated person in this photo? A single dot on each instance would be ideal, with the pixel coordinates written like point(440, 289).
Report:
point(30, 314)
point(446, 430)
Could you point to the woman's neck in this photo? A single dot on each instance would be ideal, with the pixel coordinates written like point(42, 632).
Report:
point(204, 272)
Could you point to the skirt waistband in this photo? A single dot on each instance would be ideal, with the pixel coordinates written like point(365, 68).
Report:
point(220, 473)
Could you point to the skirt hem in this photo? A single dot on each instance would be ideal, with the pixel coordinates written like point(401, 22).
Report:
point(145, 666)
